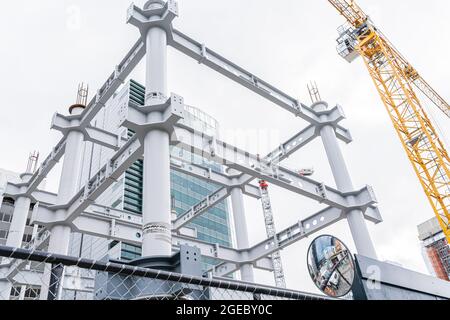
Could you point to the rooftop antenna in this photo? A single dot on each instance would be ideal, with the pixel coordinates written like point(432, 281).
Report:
point(82, 97)
point(32, 162)
point(314, 92)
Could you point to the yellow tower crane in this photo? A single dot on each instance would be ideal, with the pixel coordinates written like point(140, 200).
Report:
point(396, 81)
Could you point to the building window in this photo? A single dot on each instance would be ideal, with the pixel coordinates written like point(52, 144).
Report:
point(116, 204)
point(5, 217)
point(3, 234)
point(8, 200)
point(15, 292)
point(27, 238)
point(32, 293)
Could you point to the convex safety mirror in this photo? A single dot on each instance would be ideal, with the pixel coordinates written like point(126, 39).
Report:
point(331, 266)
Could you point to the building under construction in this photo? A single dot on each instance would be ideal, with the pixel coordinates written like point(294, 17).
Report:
point(436, 250)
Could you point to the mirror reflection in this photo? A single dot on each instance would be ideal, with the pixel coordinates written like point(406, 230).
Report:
point(331, 266)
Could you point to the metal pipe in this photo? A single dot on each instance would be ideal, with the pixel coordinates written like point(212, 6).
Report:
point(157, 238)
point(156, 78)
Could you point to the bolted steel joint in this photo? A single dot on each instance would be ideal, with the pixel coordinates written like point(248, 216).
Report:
point(330, 117)
point(162, 116)
point(155, 13)
point(67, 124)
point(366, 201)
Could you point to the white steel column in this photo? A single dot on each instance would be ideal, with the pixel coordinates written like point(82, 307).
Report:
point(355, 218)
point(156, 189)
point(241, 230)
point(16, 231)
point(68, 187)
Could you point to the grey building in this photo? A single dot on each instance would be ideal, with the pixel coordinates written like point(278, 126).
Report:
point(21, 291)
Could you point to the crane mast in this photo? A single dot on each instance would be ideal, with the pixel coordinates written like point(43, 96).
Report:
point(396, 81)
point(271, 234)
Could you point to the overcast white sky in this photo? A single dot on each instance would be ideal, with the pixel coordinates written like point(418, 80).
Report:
point(46, 53)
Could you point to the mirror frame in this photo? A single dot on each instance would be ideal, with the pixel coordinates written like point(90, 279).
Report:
point(351, 259)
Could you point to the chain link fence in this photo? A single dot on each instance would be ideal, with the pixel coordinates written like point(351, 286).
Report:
point(35, 275)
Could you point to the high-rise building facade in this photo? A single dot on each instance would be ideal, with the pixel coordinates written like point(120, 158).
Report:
point(435, 249)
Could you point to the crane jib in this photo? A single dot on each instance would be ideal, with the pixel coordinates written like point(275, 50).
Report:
point(396, 81)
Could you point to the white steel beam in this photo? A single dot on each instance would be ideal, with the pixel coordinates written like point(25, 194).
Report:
point(47, 165)
point(105, 177)
point(211, 176)
point(200, 208)
point(200, 172)
point(14, 191)
point(287, 237)
point(220, 152)
point(118, 77)
point(107, 139)
point(213, 60)
point(121, 72)
point(126, 227)
point(123, 226)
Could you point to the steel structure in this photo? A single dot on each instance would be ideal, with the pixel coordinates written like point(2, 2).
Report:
point(396, 79)
point(157, 127)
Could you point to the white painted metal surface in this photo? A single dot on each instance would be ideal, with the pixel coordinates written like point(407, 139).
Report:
point(355, 218)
